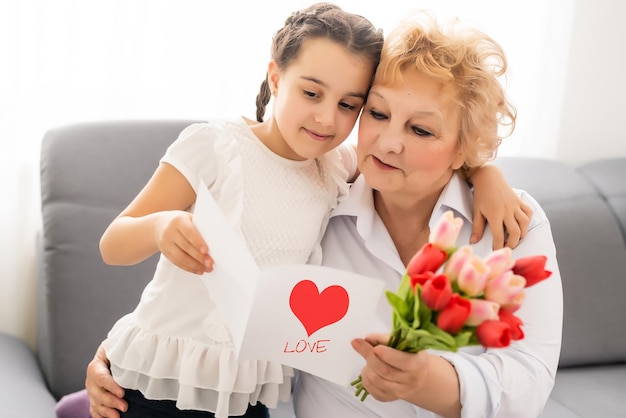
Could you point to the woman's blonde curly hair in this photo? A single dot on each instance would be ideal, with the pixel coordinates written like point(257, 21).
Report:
point(470, 61)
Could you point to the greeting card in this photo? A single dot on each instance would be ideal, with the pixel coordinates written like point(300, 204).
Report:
point(302, 316)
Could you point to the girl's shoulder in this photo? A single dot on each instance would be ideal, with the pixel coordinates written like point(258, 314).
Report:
point(342, 160)
point(213, 129)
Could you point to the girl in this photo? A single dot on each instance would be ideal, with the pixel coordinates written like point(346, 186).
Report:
point(276, 181)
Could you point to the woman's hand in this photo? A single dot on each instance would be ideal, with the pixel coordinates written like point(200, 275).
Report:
point(422, 379)
point(496, 203)
point(106, 398)
point(389, 374)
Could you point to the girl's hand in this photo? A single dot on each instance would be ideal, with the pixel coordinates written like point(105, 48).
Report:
point(179, 240)
point(496, 203)
point(106, 398)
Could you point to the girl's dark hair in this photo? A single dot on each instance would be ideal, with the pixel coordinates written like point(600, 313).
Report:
point(321, 20)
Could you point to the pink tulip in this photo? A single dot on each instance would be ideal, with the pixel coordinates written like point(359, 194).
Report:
point(446, 231)
point(428, 258)
point(515, 303)
point(456, 261)
point(453, 316)
point(482, 310)
point(496, 334)
point(473, 276)
point(532, 269)
point(436, 292)
point(504, 289)
point(499, 261)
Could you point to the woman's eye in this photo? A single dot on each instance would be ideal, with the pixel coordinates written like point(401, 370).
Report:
point(421, 131)
point(309, 93)
point(377, 115)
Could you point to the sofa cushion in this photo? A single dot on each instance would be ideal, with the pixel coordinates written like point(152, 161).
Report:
point(23, 392)
point(589, 242)
point(608, 177)
point(591, 391)
point(89, 173)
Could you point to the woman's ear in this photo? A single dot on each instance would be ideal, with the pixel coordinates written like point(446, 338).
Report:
point(273, 76)
point(458, 161)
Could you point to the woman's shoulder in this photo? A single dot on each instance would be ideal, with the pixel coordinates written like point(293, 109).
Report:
point(539, 215)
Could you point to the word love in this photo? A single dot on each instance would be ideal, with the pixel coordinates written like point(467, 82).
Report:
point(306, 346)
point(317, 310)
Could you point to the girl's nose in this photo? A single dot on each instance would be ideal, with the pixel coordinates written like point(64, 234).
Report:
point(326, 113)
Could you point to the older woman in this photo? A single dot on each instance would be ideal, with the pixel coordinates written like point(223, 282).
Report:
point(433, 114)
point(431, 117)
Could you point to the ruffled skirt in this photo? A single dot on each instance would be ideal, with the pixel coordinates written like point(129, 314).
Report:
point(176, 346)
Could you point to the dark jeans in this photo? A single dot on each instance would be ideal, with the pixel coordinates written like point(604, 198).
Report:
point(140, 407)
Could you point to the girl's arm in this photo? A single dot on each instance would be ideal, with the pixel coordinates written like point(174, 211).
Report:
point(158, 220)
point(496, 203)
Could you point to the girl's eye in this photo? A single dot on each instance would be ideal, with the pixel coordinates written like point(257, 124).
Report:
point(421, 131)
point(309, 93)
point(377, 115)
point(346, 106)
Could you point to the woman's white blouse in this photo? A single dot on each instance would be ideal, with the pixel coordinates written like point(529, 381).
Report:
point(511, 382)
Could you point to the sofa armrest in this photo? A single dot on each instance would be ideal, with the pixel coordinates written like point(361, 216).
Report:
point(23, 391)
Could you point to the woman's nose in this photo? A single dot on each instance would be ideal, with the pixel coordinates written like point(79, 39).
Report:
point(389, 139)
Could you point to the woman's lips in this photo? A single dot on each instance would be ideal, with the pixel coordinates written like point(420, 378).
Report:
point(383, 166)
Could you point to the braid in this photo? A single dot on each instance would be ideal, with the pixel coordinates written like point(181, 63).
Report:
point(262, 99)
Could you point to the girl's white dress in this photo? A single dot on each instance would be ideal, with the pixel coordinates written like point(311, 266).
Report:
point(175, 345)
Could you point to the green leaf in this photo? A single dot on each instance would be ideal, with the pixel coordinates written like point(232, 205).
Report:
point(441, 335)
point(398, 305)
point(463, 338)
point(423, 314)
point(405, 287)
point(417, 306)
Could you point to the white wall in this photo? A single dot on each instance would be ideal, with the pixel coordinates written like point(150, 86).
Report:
point(594, 105)
point(567, 83)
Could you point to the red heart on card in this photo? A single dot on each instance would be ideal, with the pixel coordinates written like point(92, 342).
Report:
point(316, 310)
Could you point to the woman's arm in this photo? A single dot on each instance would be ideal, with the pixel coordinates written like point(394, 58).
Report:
point(106, 398)
point(516, 381)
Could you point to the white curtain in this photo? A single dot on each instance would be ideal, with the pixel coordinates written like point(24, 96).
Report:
point(66, 61)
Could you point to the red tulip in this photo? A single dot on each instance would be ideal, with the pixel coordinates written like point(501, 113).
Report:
point(496, 334)
point(514, 323)
point(453, 316)
point(420, 279)
point(437, 292)
point(428, 258)
point(532, 269)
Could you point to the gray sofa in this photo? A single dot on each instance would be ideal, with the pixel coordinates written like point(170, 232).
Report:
point(90, 171)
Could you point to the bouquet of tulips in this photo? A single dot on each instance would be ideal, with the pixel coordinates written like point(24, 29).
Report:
point(450, 297)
